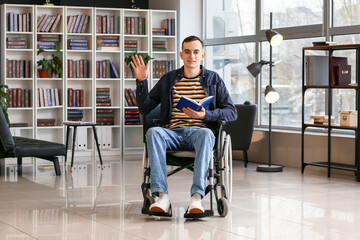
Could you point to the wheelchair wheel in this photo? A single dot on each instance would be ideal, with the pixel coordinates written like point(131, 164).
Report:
point(222, 207)
point(144, 163)
point(226, 166)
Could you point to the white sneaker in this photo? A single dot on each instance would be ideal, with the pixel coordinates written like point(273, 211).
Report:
point(195, 206)
point(161, 205)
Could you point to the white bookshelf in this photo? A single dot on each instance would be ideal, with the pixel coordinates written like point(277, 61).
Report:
point(114, 139)
point(50, 133)
point(19, 114)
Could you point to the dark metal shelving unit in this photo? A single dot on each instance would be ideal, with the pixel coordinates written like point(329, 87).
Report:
point(329, 164)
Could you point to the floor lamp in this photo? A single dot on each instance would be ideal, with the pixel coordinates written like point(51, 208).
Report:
point(271, 95)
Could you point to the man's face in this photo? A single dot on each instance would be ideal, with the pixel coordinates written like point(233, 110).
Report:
point(192, 54)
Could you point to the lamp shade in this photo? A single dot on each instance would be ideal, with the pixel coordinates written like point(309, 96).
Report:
point(255, 68)
point(271, 95)
point(274, 37)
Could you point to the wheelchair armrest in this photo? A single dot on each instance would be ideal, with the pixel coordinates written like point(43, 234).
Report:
point(221, 123)
point(153, 121)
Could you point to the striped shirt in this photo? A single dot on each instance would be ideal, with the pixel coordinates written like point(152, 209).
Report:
point(191, 88)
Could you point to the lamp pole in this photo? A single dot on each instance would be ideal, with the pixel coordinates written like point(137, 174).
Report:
point(270, 105)
point(269, 167)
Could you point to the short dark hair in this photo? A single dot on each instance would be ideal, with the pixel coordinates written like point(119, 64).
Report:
point(192, 38)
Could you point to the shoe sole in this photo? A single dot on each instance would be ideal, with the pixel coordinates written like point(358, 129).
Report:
point(157, 210)
point(196, 211)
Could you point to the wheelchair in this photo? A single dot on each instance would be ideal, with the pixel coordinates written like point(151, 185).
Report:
point(219, 173)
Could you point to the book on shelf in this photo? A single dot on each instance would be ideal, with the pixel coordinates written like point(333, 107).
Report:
point(84, 27)
point(57, 20)
point(48, 23)
point(135, 26)
point(343, 75)
point(128, 98)
point(113, 71)
point(75, 114)
point(191, 103)
point(81, 24)
point(105, 116)
point(160, 67)
point(76, 26)
point(334, 63)
point(18, 125)
point(169, 25)
point(46, 122)
point(15, 68)
point(18, 22)
point(324, 43)
point(19, 97)
point(77, 44)
point(132, 94)
point(78, 68)
point(41, 22)
point(73, 24)
point(16, 43)
point(159, 31)
point(103, 97)
point(108, 24)
point(317, 70)
point(106, 69)
point(159, 45)
point(48, 97)
point(132, 117)
point(110, 43)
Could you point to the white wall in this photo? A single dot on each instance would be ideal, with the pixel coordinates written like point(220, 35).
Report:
point(189, 17)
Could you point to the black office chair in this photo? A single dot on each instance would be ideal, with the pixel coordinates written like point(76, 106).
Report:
point(219, 174)
point(241, 130)
point(20, 147)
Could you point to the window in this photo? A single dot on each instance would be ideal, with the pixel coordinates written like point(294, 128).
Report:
point(292, 13)
point(232, 47)
point(346, 12)
point(287, 80)
point(230, 18)
point(230, 62)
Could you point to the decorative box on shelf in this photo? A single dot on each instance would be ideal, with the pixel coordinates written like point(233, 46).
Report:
point(348, 118)
point(321, 119)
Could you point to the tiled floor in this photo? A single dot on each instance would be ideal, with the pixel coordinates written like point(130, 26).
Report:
point(91, 205)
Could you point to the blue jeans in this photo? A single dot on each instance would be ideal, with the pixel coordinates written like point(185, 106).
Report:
point(160, 139)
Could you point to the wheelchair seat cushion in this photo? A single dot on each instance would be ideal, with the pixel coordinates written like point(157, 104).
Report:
point(182, 154)
point(27, 147)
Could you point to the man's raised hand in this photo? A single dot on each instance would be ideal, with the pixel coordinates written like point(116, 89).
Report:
point(141, 71)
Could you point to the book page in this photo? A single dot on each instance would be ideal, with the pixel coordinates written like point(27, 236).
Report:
point(192, 100)
point(205, 99)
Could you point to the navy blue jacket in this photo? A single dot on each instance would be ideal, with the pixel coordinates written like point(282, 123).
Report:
point(220, 108)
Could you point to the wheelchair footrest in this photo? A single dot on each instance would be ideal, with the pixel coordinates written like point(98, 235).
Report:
point(207, 213)
point(159, 214)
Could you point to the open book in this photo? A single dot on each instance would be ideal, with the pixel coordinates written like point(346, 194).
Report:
point(187, 102)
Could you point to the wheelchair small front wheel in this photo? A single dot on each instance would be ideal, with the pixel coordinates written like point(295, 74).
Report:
point(222, 207)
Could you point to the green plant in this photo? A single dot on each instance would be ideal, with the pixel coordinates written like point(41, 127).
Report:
point(43, 63)
point(146, 59)
point(4, 95)
point(54, 63)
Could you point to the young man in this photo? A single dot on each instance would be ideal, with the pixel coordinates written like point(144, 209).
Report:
point(186, 129)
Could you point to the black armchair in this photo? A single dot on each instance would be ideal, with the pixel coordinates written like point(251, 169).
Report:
point(242, 129)
point(20, 147)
